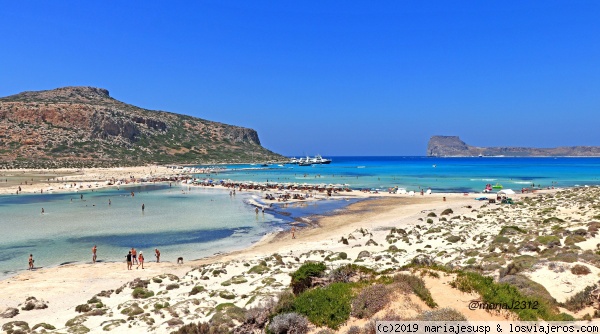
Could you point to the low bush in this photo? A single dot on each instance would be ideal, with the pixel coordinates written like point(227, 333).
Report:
point(579, 269)
point(302, 278)
point(505, 294)
point(292, 323)
point(370, 300)
point(328, 306)
point(416, 285)
point(83, 308)
point(446, 212)
point(345, 272)
point(142, 293)
point(548, 240)
point(580, 300)
point(258, 269)
point(431, 214)
point(511, 230)
point(285, 302)
point(197, 289)
point(443, 314)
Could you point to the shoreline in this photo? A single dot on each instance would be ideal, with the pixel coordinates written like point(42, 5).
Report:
point(95, 175)
point(366, 225)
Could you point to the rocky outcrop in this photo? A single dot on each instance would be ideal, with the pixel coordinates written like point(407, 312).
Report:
point(453, 146)
point(85, 127)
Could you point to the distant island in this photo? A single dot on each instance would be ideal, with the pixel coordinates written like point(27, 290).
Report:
point(453, 146)
point(85, 127)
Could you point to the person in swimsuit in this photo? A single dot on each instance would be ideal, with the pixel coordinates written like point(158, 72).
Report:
point(141, 258)
point(133, 256)
point(157, 254)
point(31, 261)
point(94, 254)
point(128, 257)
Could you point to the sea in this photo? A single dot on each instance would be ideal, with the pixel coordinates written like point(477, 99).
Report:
point(195, 222)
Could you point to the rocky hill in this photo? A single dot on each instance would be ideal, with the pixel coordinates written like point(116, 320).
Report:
point(453, 146)
point(85, 127)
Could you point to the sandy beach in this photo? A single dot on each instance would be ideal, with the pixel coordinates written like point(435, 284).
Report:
point(547, 233)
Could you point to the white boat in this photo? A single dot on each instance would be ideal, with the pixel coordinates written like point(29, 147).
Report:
point(293, 161)
point(304, 162)
point(320, 160)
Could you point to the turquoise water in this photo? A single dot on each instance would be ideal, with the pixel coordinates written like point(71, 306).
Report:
point(412, 173)
point(201, 222)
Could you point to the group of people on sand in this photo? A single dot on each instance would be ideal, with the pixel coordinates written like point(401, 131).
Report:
point(132, 258)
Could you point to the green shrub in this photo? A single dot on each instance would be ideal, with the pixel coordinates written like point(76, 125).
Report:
point(443, 314)
point(431, 214)
point(226, 295)
point(172, 286)
point(302, 278)
point(43, 325)
point(501, 240)
point(511, 230)
point(370, 300)
point(259, 269)
point(548, 240)
point(446, 212)
point(417, 285)
point(83, 308)
point(506, 294)
point(553, 220)
point(285, 302)
point(429, 221)
point(197, 289)
point(453, 238)
point(328, 306)
point(580, 300)
point(142, 293)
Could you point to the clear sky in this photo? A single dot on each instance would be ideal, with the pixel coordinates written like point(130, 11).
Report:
point(328, 77)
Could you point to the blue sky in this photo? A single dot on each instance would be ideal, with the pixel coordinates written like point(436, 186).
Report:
point(328, 77)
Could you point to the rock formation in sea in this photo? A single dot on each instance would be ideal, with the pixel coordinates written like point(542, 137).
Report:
point(453, 146)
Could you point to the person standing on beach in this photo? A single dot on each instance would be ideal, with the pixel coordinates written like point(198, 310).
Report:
point(133, 256)
point(94, 254)
point(128, 258)
point(141, 258)
point(157, 254)
point(293, 232)
point(31, 261)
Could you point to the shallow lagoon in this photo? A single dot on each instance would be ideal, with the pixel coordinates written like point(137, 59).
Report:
point(191, 223)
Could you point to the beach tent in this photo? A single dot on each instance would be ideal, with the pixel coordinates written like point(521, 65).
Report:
point(506, 192)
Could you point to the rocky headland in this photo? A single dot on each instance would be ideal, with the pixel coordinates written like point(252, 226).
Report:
point(85, 127)
point(453, 146)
